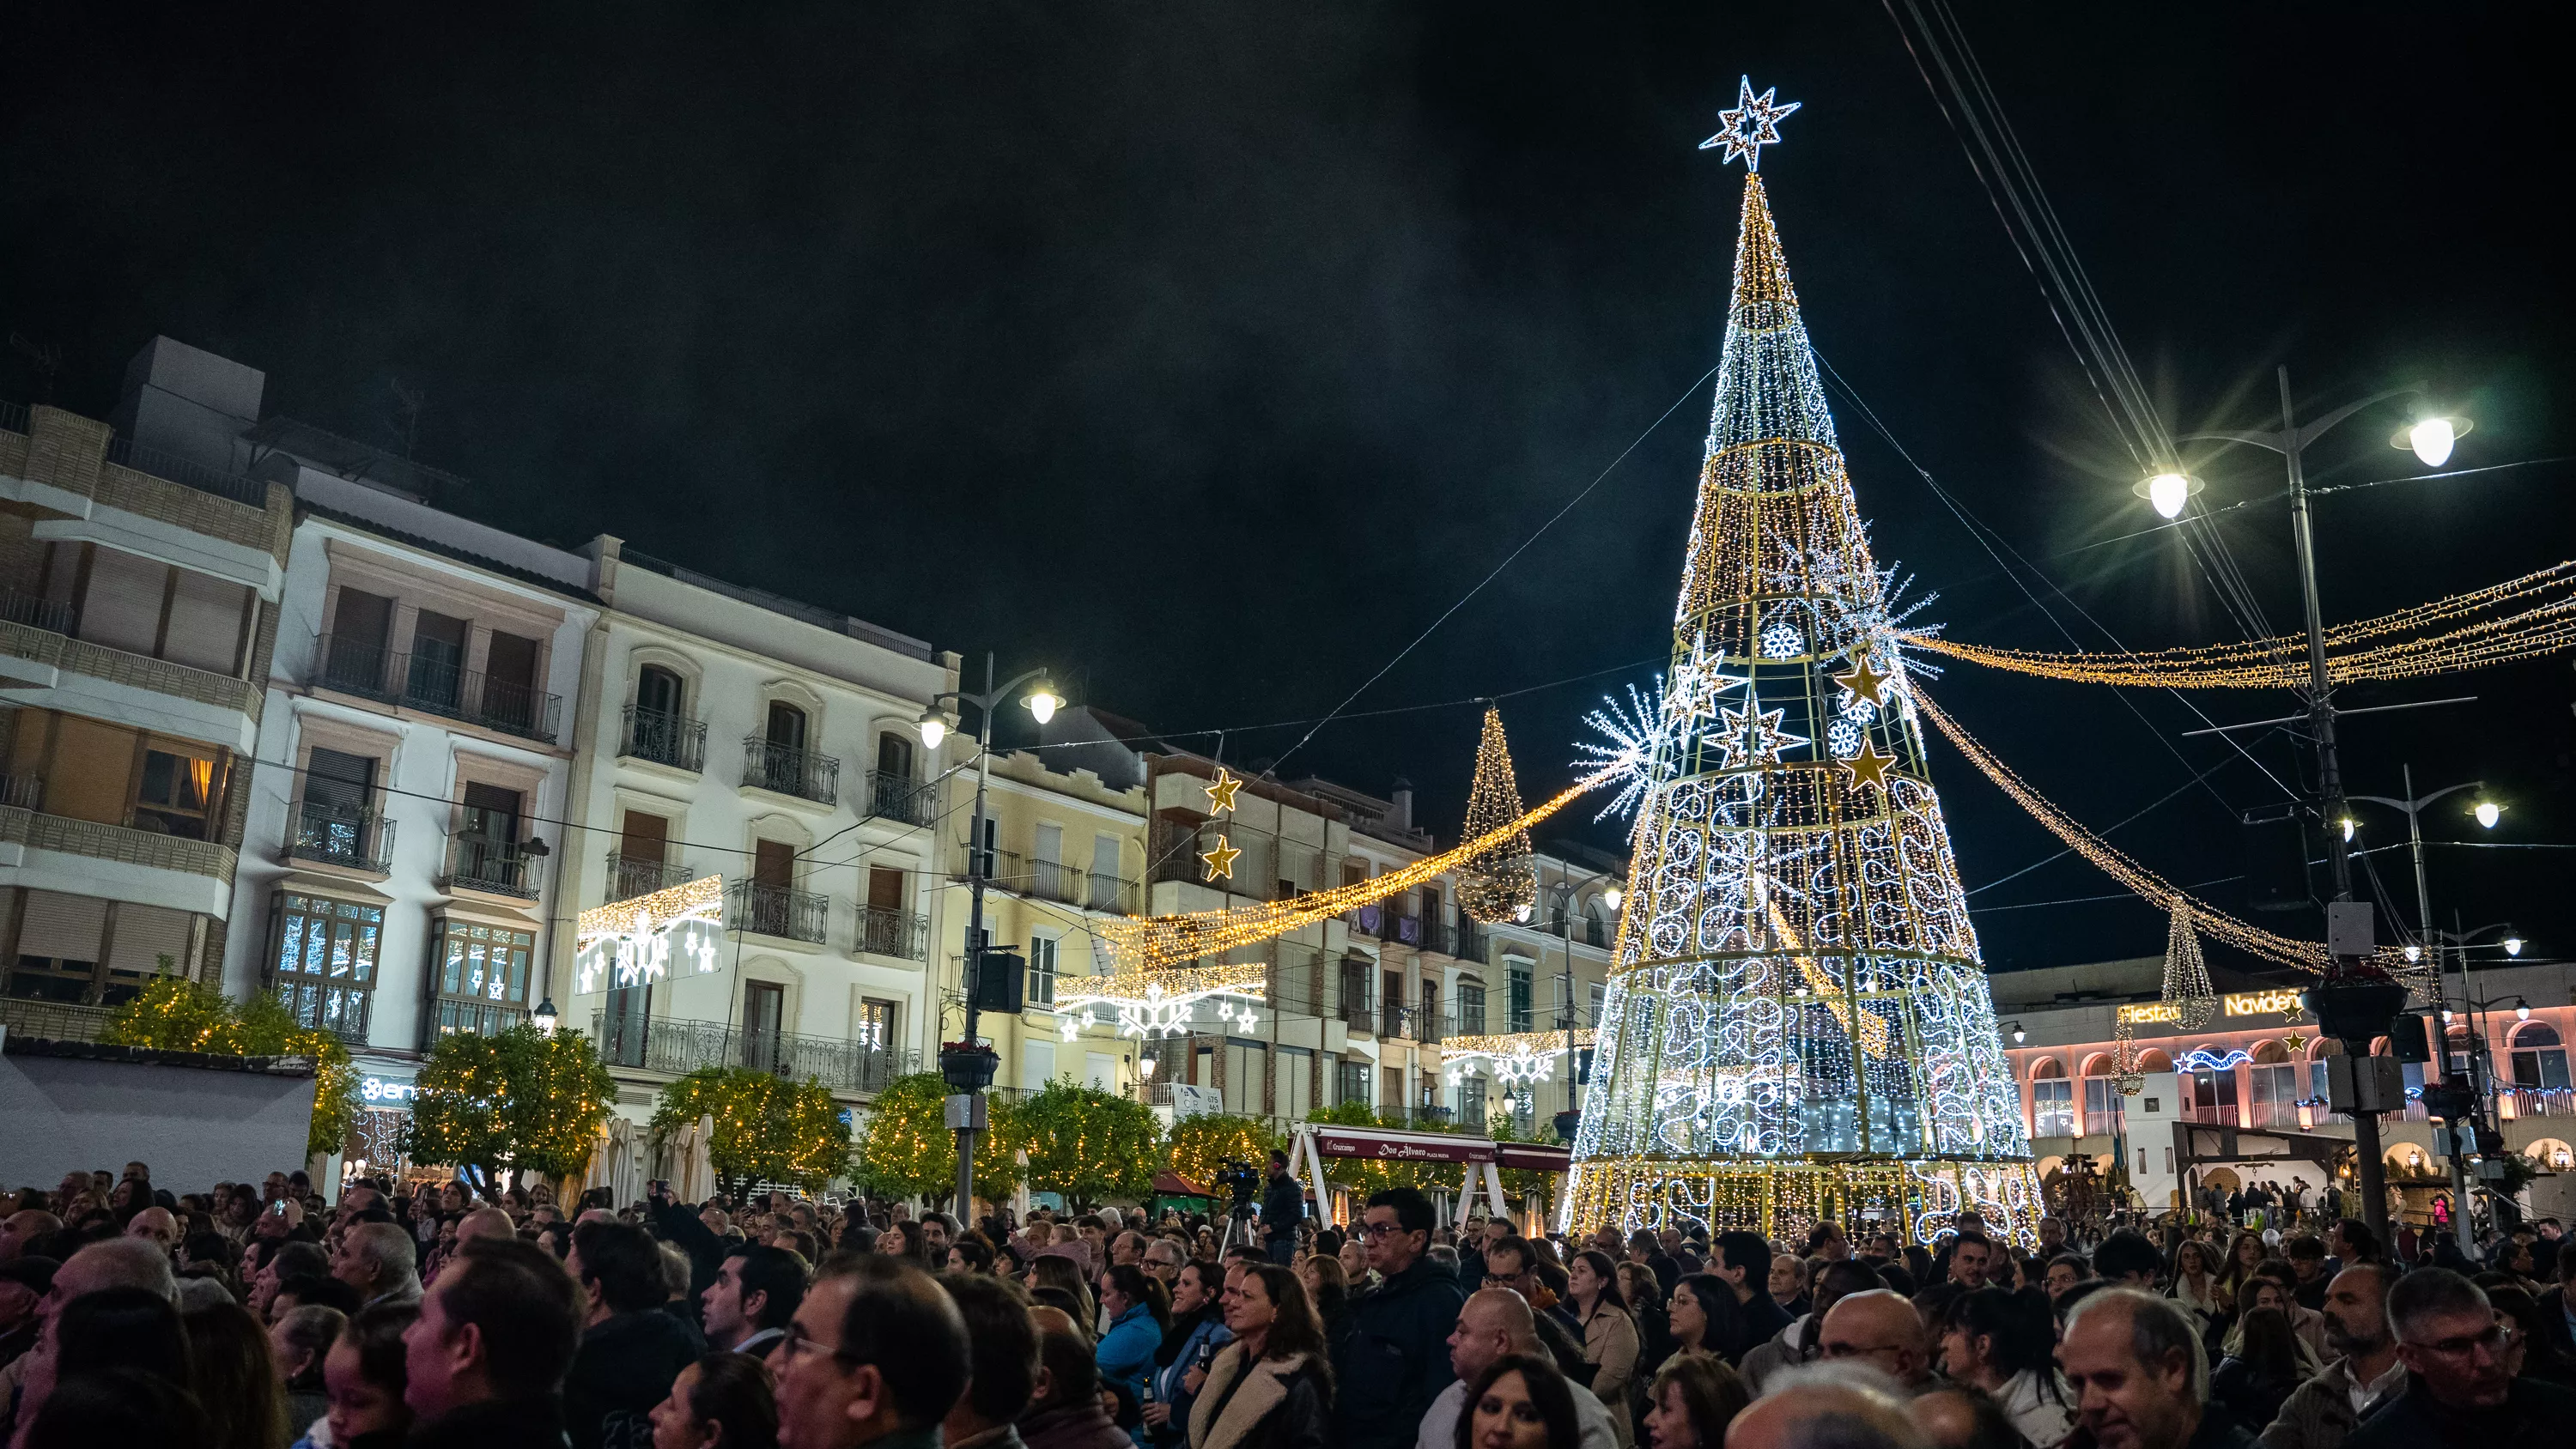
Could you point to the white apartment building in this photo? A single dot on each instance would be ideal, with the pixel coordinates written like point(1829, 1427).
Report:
point(729, 732)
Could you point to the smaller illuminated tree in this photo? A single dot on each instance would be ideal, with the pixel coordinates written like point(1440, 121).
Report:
point(906, 1150)
point(517, 1100)
point(767, 1128)
point(1088, 1144)
point(1499, 885)
point(1201, 1144)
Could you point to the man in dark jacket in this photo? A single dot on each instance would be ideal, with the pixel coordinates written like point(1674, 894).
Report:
point(1065, 1411)
point(630, 1349)
point(483, 1360)
point(2458, 1389)
point(1395, 1358)
point(1743, 1261)
point(1283, 1206)
point(687, 1230)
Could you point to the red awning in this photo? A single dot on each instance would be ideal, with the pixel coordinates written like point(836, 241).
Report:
point(1533, 1154)
point(1394, 1145)
point(1172, 1184)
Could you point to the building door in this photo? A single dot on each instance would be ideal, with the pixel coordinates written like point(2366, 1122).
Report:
point(337, 790)
point(773, 874)
point(360, 625)
point(487, 849)
point(642, 845)
point(894, 756)
point(764, 1007)
point(437, 678)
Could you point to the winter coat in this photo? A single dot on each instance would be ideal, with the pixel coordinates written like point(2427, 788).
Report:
point(623, 1367)
point(1394, 1360)
point(1079, 1425)
point(2319, 1414)
point(1276, 1403)
point(1174, 1360)
point(1126, 1353)
point(499, 1424)
point(1610, 1346)
point(2534, 1414)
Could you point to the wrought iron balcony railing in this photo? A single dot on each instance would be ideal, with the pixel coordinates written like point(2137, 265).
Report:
point(665, 739)
point(331, 835)
point(904, 935)
point(777, 911)
point(494, 867)
point(901, 798)
point(435, 686)
point(46, 614)
point(790, 771)
point(629, 876)
point(679, 1047)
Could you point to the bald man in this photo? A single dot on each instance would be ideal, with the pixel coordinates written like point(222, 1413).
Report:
point(1826, 1404)
point(1497, 1322)
point(155, 1225)
point(21, 1229)
point(1881, 1329)
point(485, 1222)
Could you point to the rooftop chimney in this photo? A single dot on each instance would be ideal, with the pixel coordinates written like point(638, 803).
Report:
point(189, 403)
point(1402, 794)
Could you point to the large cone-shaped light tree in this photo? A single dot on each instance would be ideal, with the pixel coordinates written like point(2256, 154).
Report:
point(1798, 1026)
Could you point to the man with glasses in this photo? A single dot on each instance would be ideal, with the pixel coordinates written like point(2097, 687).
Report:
point(2461, 1389)
point(1509, 1264)
point(1395, 1358)
point(1878, 1327)
point(875, 1355)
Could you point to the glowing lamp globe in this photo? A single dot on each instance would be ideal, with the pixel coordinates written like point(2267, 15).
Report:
point(2521, 1009)
point(2488, 812)
point(2431, 439)
point(2513, 945)
point(1042, 699)
point(934, 728)
point(1612, 897)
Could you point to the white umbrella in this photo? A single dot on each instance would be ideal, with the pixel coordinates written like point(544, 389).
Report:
point(694, 1175)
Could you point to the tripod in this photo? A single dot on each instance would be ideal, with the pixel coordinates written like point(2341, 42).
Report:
point(1238, 1224)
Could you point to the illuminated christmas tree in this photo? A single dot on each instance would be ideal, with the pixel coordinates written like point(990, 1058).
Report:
point(1499, 885)
point(1798, 1026)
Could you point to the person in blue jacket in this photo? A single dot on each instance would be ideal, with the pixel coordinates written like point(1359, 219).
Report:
point(1196, 1332)
point(1134, 1311)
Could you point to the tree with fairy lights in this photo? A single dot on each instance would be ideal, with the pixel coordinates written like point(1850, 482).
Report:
point(1201, 1144)
point(906, 1150)
point(520, 1099)
point(1088, 1144)
point(767, 1128)
point(1798, 1025)
point(173, 1013)
point(1500, 885)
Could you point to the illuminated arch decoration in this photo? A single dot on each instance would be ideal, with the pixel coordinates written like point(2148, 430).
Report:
point(1516, 1059)
point(1150, 1005)
point(640, 941)
point(1797, 1025)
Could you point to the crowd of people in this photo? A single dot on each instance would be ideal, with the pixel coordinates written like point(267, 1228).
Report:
point(258, 1316)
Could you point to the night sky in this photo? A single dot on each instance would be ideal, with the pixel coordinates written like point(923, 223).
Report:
point(1208, 352)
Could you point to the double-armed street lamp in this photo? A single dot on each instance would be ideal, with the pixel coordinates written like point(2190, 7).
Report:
point(970, 1071)
point(2352, 1003)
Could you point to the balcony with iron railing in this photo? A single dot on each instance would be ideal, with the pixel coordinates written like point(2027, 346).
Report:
point(491, 867)
point(334, 835)
point(145, 837)
point(435, 686)
point(676, 1048)
point(769, 910)
point(48, 615)
point(786, 770)
point(221, 482)
point(1047, 880)
point(663, 738)
point(53, 1020)
point(901, 798)
point(631, 876)
point(889, 931)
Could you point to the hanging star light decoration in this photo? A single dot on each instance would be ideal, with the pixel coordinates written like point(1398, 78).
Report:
point(1863, 681)
point(1220, 861)
point(1221, 794)
point(1753, 736)
point(1869, 767)
point(1752, 123)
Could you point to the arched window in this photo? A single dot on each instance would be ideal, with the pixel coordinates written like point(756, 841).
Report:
point(658, 690)
point(2052, 1100)
point(658, 727)
point(2154, 1060)
point(2539, 1057)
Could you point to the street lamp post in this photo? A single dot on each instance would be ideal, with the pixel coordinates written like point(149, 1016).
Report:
point(1041, 702)
point(2486, 814)
point(2350, 997)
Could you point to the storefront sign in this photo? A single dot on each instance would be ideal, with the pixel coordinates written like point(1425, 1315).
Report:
point(1390, 1147)
point(635, 942)
point(384, 1091)
point(2147, 1011)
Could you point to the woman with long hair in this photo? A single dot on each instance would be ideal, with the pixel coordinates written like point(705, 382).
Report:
point(1645, 1295)
point(1134, 1311)
point(2004, 1341)
point(2263, 1371)
point(2244, 1256)
point(232, 1374)
point(1702, 1314)
point(722, 1401)
point(2195, 1282)
point(1062, 1273)
point(1520, 1401)
point(1695, 1397)
point(1272, 1388)
point(1189, 1345)
point(1610, 1342)
point(1328, 1289)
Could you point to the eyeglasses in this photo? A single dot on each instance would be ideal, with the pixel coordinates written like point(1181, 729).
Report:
point(2494, 1340)
point(1379, 1230)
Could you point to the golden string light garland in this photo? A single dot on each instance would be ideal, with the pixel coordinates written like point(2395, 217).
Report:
point(2539, 619)
point(2253, 940)
point(1150, 944)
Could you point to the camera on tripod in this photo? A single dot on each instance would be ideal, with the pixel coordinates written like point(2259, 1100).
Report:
point(1241, 1179)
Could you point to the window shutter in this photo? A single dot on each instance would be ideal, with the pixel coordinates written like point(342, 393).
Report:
point(63, 928)
point(144, 934)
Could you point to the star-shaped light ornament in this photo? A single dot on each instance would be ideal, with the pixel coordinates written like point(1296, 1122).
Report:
point(1220, 861)
point(1751, 124)
point(1753, 736)
point(1863, 681)
point(1221, 794)
point(1869, 767)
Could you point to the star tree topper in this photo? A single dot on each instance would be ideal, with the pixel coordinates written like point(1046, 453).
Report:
point(1751, 124)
